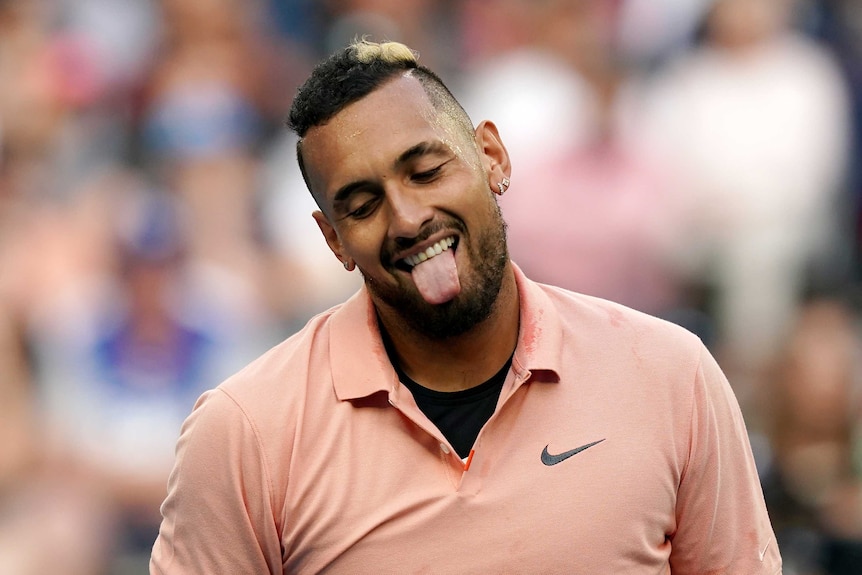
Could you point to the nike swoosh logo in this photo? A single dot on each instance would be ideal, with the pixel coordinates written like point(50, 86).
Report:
point(549, 459)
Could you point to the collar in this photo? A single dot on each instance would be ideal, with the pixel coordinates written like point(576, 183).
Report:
point(356, 341)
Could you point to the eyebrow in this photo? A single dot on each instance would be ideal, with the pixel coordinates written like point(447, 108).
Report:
point(410, 154)
point(420, 149)
point(347, 190)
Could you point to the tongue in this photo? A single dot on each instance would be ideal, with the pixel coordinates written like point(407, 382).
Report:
point(437, 278)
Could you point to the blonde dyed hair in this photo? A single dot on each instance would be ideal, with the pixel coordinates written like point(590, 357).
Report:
point(367, 52)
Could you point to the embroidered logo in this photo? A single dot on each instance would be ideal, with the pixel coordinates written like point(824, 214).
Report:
point(549, 459)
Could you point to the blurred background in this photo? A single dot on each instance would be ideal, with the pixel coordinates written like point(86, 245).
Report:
point(695, 159)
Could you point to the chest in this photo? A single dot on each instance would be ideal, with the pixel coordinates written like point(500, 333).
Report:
point(554, 481)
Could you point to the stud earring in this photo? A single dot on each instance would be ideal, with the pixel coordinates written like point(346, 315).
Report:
point(503, 186)
point(347, 265)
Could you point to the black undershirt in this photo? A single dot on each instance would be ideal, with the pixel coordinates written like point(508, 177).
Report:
point(459, 415)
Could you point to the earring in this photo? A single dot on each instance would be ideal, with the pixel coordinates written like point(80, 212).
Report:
point(347, 265)
point(503, 186)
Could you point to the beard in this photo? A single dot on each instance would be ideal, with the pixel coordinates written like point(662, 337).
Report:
point(479, 287)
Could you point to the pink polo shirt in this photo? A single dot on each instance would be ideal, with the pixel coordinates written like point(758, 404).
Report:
point(316, 459)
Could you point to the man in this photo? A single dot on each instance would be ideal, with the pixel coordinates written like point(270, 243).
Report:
point(453, 416)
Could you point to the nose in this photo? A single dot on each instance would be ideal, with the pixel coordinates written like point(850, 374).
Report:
point(408, 213)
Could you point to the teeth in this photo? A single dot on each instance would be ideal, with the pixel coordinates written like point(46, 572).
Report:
point(432, 251)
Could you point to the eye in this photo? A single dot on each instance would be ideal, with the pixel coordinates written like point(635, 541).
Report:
point(427, 176)
point(364, 210)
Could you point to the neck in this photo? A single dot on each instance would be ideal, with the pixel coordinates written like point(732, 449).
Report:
point(462, 361)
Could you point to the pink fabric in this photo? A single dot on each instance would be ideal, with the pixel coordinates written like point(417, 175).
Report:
point(316, 459)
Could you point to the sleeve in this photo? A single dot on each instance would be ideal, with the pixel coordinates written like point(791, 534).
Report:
point(218, 516)
point(721, 516)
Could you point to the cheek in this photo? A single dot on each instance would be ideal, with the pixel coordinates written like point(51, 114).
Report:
point(469, 194)
point(364, 240)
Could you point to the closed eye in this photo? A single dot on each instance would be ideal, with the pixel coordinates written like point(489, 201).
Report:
point(427, 176)
point(364, 210)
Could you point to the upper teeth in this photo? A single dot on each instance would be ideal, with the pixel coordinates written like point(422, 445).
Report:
point(432, 251)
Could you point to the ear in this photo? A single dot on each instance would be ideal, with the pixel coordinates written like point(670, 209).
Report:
point(331, 237)
point(495, 157)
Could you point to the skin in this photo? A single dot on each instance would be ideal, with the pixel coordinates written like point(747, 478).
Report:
point(393, 176)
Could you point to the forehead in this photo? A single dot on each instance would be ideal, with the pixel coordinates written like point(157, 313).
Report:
point(370, 133)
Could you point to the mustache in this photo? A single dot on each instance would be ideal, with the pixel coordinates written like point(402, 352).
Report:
point(391, 247)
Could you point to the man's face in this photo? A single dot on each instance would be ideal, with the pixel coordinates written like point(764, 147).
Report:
point(393, 178)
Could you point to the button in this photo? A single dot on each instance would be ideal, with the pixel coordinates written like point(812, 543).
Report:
point(444, 448)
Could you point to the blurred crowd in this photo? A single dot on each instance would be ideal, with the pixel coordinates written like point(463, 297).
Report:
point(698, 160)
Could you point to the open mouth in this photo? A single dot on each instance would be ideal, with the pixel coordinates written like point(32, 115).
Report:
point(408, 263)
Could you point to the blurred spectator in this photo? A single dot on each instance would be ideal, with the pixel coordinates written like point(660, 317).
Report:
point(812, 478)
point(121, 361)
point(603, 220)
point(48, 241)
point(109, 43)
point(38, 500)
point(509, 68)
point(756, 119)
point(212, 102)
point(565, 54)
point(839, 24)
point(237, 44)
point(650, 31)
point(297, 20)
point(602, 216)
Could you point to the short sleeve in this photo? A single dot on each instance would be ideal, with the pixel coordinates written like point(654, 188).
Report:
point(722, 521)
point(218, 516)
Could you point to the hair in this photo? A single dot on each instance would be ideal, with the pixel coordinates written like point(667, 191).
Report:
point(354, 72)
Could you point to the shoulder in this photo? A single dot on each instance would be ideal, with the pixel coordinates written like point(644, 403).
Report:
point(251, 418)
point(268, 390)
point(282, 371)
point(606, 320)
point(570, 332)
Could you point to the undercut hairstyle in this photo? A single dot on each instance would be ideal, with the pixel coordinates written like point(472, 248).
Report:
point(354, 72)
